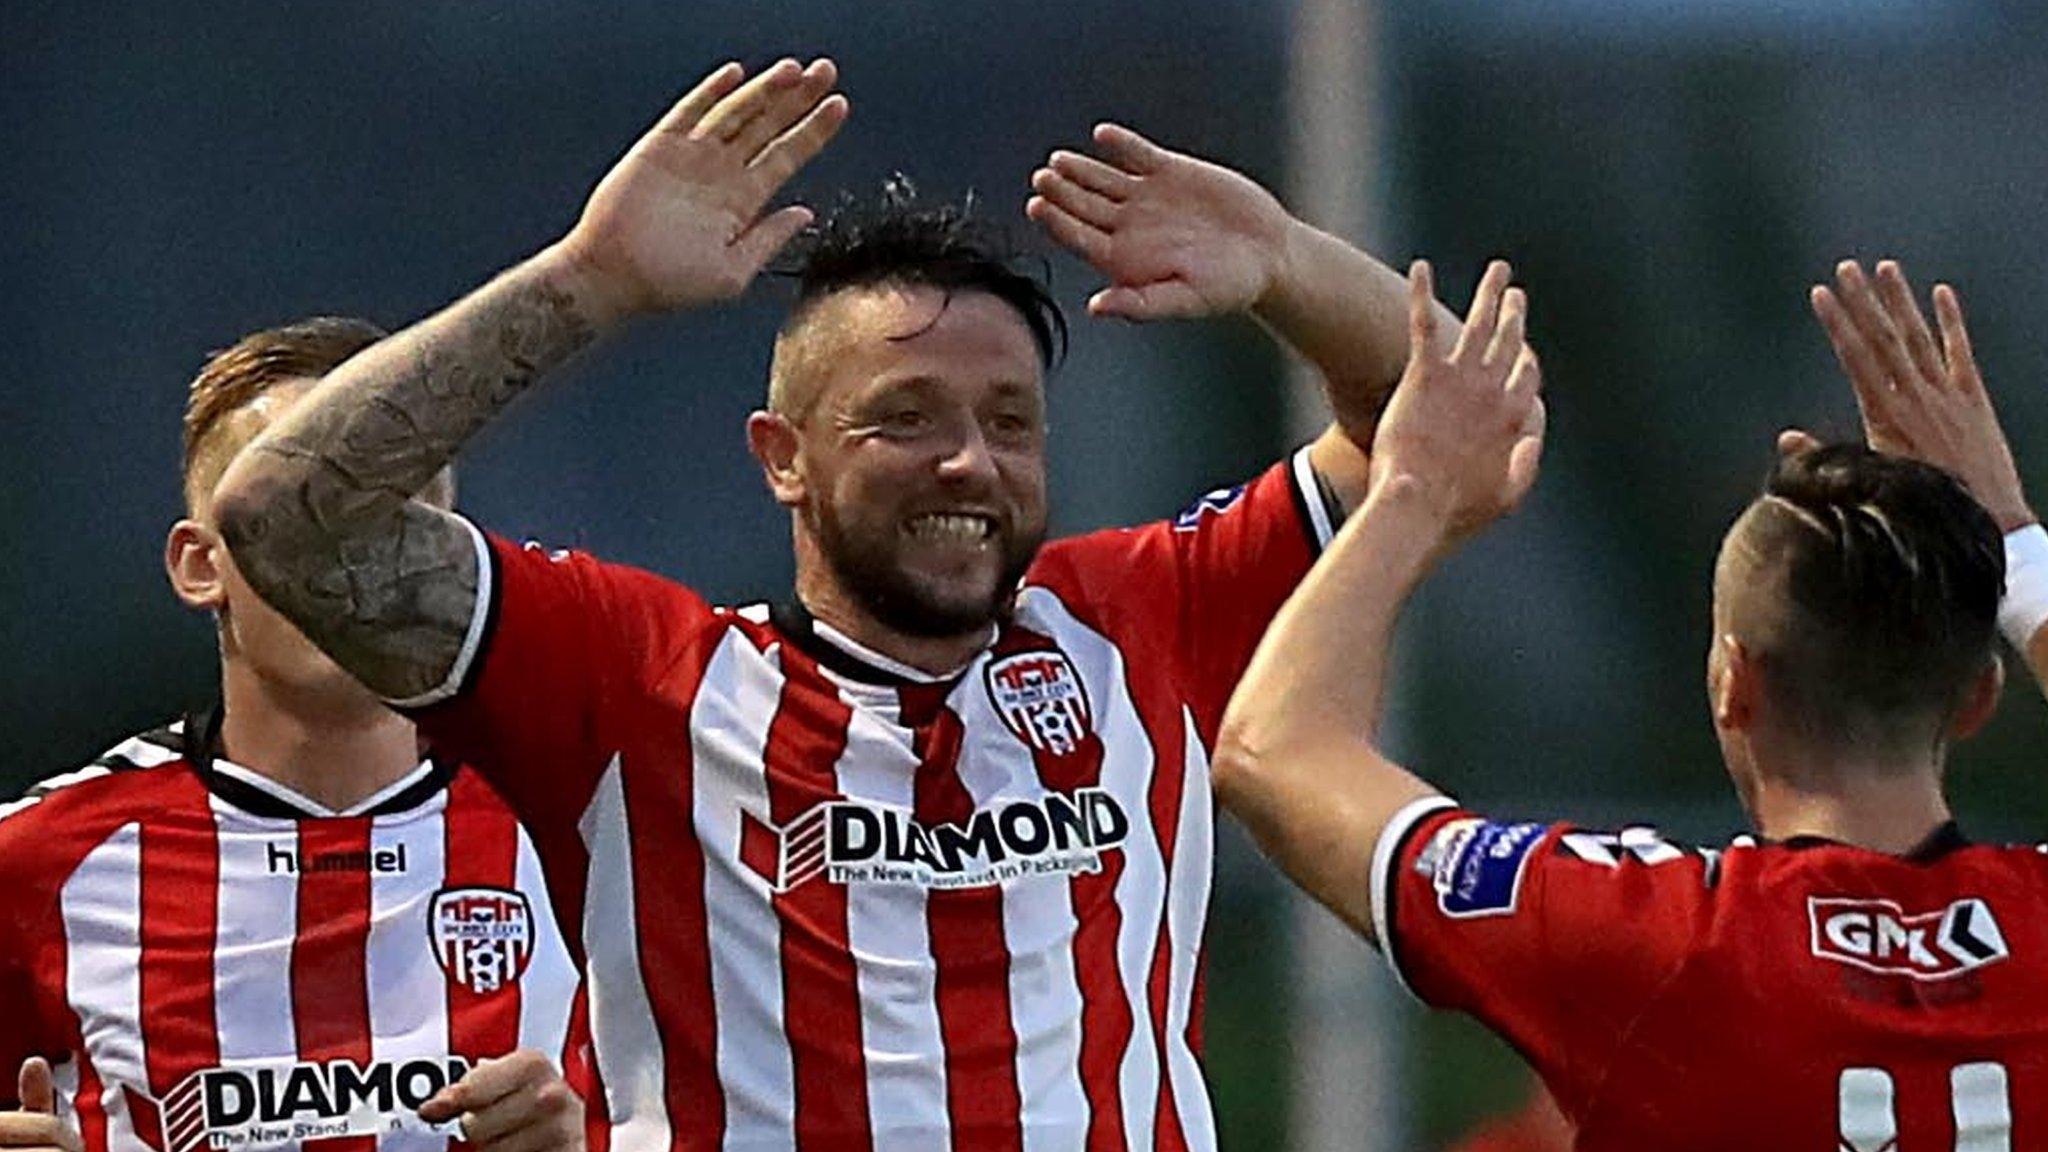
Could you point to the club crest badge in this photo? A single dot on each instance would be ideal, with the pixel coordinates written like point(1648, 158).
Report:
point(1040, 698)
point(483, 937)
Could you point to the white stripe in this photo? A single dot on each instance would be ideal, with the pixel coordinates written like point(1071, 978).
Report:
point(407, 989)
point(629, 1055)
point(995, 768)
point(1128, 765)
point(1384, 861)
point(257, 922)
point(1864, 1113)
point(729, 722)
point(890, 938)
point(1187, 917)
point(1304, 473)
point(472, 637)
point(101, 904)
point(547, 993)
point(95, 771)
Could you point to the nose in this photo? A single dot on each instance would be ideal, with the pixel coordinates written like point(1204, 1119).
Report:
point(968, 458)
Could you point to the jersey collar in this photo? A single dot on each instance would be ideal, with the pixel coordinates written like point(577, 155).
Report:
point(1938, 843)
point(838, 652)
point(259, 795)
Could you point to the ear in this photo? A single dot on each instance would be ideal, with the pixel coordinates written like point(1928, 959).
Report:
point(777, 445)
point(1979, 701)
point(1734, 682)
point(194, 555)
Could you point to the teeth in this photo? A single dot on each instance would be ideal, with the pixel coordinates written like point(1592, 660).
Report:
point(951, 527)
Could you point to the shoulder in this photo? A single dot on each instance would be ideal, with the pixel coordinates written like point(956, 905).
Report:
point(61, 818)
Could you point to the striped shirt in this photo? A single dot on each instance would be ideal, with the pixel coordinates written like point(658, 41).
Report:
point(829, 901)
point(211, 960)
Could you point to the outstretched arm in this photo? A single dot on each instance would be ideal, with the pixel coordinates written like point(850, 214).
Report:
point(1298, 760)
point(1180, 237)
point(318, 510)
point(1927, 401)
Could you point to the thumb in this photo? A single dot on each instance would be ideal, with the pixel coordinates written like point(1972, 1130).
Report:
point(766, 236)
point(38, 1088)
point(1796, 442)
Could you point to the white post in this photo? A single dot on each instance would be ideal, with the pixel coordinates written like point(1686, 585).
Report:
point(1348, 1027)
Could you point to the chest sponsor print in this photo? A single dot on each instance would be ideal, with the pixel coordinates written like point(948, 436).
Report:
point(482, 937)
point(851, 842)
point(279, 1105)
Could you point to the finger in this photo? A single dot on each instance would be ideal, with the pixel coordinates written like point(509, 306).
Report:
point(1084, 205)
point(1093, 174)
point(784, 156)
point(1507, 343)
point(786, 108)
point(1421, 309)
point(536, 1116)
point(1955, 340)
point(1161, 300)
point(1897, 296)
point(1867, 376)
point(1525, 379)
point(1873, 322)
point(1082, 239)
point(35, 1130)
point(691, 108)
point(1485, 311)
point(1525, 460)
point(725, 118)
point(38, 1087)
point(1796, 442)
point(768, 235)
point(1130, 151)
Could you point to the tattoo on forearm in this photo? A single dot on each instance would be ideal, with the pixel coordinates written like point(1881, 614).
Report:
point(325, 527)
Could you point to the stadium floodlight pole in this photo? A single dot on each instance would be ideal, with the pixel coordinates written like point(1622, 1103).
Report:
point(1350, 1034)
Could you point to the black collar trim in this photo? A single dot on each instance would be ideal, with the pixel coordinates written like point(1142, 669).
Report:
point(200, 745)
point(1938, 843)
point(795, 622)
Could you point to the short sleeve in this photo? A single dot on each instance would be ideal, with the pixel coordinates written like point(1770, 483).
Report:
point(1553, 936)
point(1208, 581)
point(562, 644)
point(30, 1021)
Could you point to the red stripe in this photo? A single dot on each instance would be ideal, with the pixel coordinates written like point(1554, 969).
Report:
point(1169, 780)
point(330, 990)
point(972, 960)
point(481, 850)
point(820, 992)
point(90, 1105)
point(673, 934)
point(1106, 1021)
point(579, 1068)
point(180, 878)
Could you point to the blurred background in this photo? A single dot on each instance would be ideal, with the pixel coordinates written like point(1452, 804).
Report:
point(1667, 175)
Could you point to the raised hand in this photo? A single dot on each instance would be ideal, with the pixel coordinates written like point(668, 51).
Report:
point(678, 221)
point(515, 1102)
point(1177, 236)
point(1465, 427)
point(36, 1125)
point(1918, 398)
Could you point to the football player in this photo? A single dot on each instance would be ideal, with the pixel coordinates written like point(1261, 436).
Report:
point(1858, 975)
point(277, 919)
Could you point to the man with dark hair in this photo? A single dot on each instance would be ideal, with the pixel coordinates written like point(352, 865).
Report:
point(918, 858)
point(275, 915)
point(1858, 976)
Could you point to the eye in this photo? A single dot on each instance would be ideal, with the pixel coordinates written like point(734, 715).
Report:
point(1012, 425)
point(904, 421)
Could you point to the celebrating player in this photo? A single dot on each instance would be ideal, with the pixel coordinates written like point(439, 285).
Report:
point(275, 920)
point(919, 858)
point(1859, 976)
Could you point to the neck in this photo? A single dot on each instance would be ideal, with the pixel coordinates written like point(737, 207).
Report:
point(1882, 807)
point(936, 655)
point(333, 751)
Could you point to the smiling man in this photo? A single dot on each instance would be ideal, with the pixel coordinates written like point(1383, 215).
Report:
point(920, 857)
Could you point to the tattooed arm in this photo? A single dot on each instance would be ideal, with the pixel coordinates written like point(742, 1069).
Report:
point(318, 510)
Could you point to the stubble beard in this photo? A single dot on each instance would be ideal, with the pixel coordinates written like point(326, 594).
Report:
point(868, 568)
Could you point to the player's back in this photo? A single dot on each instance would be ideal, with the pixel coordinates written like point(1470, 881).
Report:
point(1798, 995)
point(1839, 998)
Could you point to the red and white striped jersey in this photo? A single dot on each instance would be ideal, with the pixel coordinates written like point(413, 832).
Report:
point(831, 902)
point(210, 960)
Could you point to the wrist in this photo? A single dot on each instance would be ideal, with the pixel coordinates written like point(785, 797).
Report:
point(1286, 253)
point(601, 299)
point(2024, 607)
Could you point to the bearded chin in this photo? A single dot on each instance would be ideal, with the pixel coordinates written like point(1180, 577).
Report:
point(868, 570)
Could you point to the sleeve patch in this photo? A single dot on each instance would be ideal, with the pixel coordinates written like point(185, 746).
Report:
point(1476, 866)
point(1214, 502)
